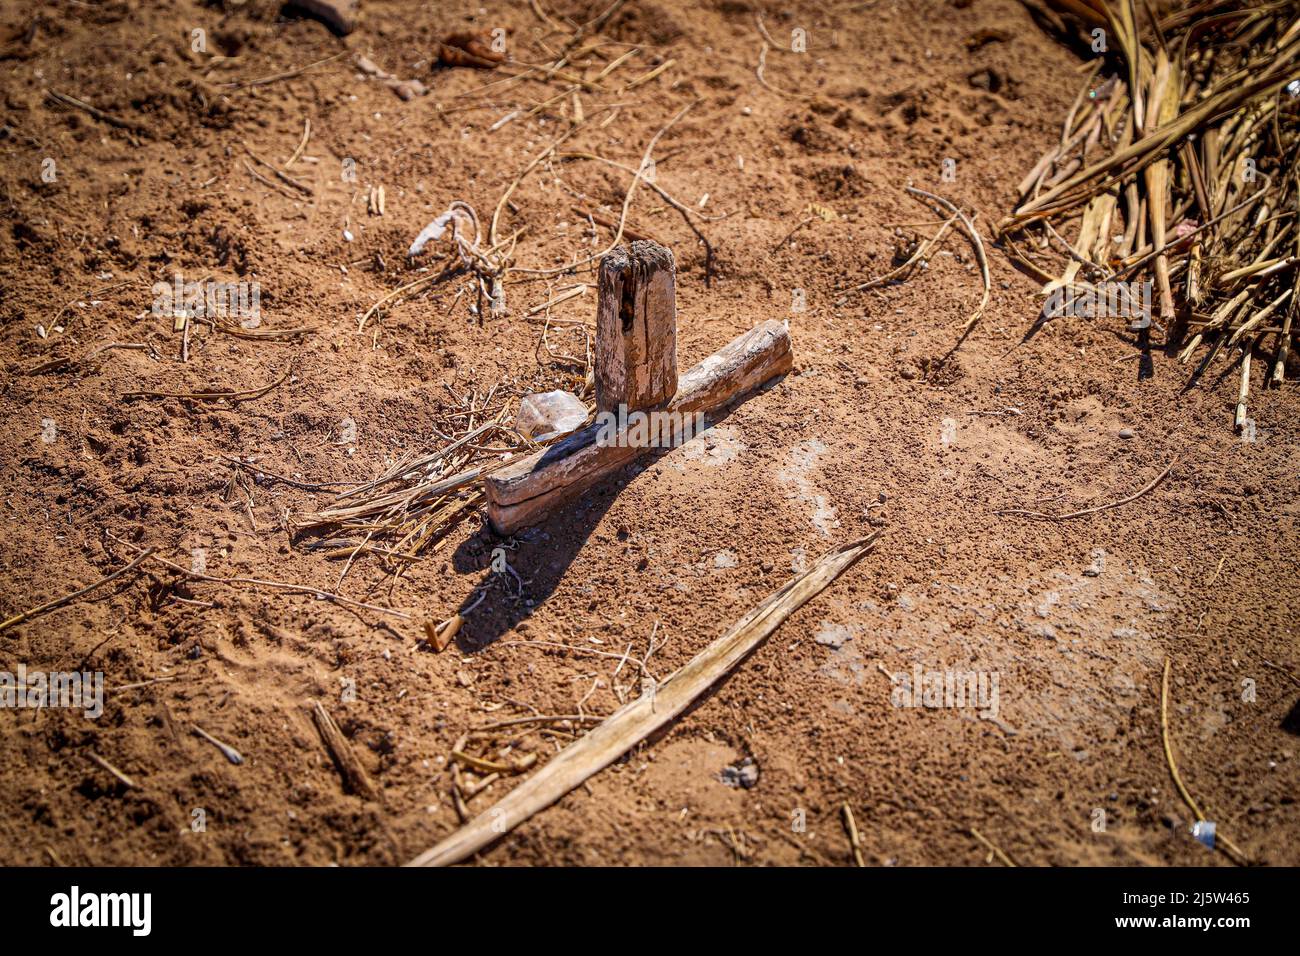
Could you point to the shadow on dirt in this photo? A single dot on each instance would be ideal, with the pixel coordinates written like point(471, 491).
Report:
point(522, 571)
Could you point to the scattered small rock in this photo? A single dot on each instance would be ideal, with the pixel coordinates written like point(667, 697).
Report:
point(405, 89)
point(833, 636)
point(1050, 600)
point(1046, 631)
point(545, 415)
point(1126, 433)
point(987, 79)
point(1098, 564)
point(743, 774)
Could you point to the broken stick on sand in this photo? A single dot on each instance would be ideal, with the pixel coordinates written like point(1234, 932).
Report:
point(640, 718)
point(350, 767)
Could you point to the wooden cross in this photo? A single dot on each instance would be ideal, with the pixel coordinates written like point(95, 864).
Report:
point(636, 328)
point(636, 368)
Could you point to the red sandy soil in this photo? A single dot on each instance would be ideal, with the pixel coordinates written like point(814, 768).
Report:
point(1199, 569)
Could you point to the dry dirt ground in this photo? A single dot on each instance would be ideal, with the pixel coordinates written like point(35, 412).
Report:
point(873, 429)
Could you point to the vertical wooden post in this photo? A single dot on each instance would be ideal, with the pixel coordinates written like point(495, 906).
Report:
point(636, 328)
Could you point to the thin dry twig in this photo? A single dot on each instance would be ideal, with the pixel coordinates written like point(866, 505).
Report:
point(97, 113)
point(258, 582)
point(287, 74)
point(69, 598)
point(922, 252)
point(247, 395)
point(268, 182)
point(1230, 849)
point(279, 173)
point(969, 226)
point(1088, 511)
point(227, 751)
point(992, 847)
point(103, 764)
point(340, 749)
point(627, 198)
point(855, 842)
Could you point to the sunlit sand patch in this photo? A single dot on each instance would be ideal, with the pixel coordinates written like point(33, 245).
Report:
point(802, 459)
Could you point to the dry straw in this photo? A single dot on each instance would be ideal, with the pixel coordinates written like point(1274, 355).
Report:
point(1177, 163)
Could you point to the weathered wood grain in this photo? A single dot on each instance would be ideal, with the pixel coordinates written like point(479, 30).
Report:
point(636, 328)
point(526, 491)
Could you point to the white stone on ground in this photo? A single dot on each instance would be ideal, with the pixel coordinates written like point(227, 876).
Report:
point(547, 414)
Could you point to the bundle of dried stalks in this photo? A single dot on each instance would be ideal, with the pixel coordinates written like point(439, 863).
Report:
point(406, 513)
point(1177, 166)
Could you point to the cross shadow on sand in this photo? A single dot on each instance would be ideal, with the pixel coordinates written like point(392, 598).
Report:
point(540, 555)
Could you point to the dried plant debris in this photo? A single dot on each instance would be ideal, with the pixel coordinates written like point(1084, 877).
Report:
point(1176, 174)
point(405, 89)
point(485, 52)
point(406, 513)
point(460, 222)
